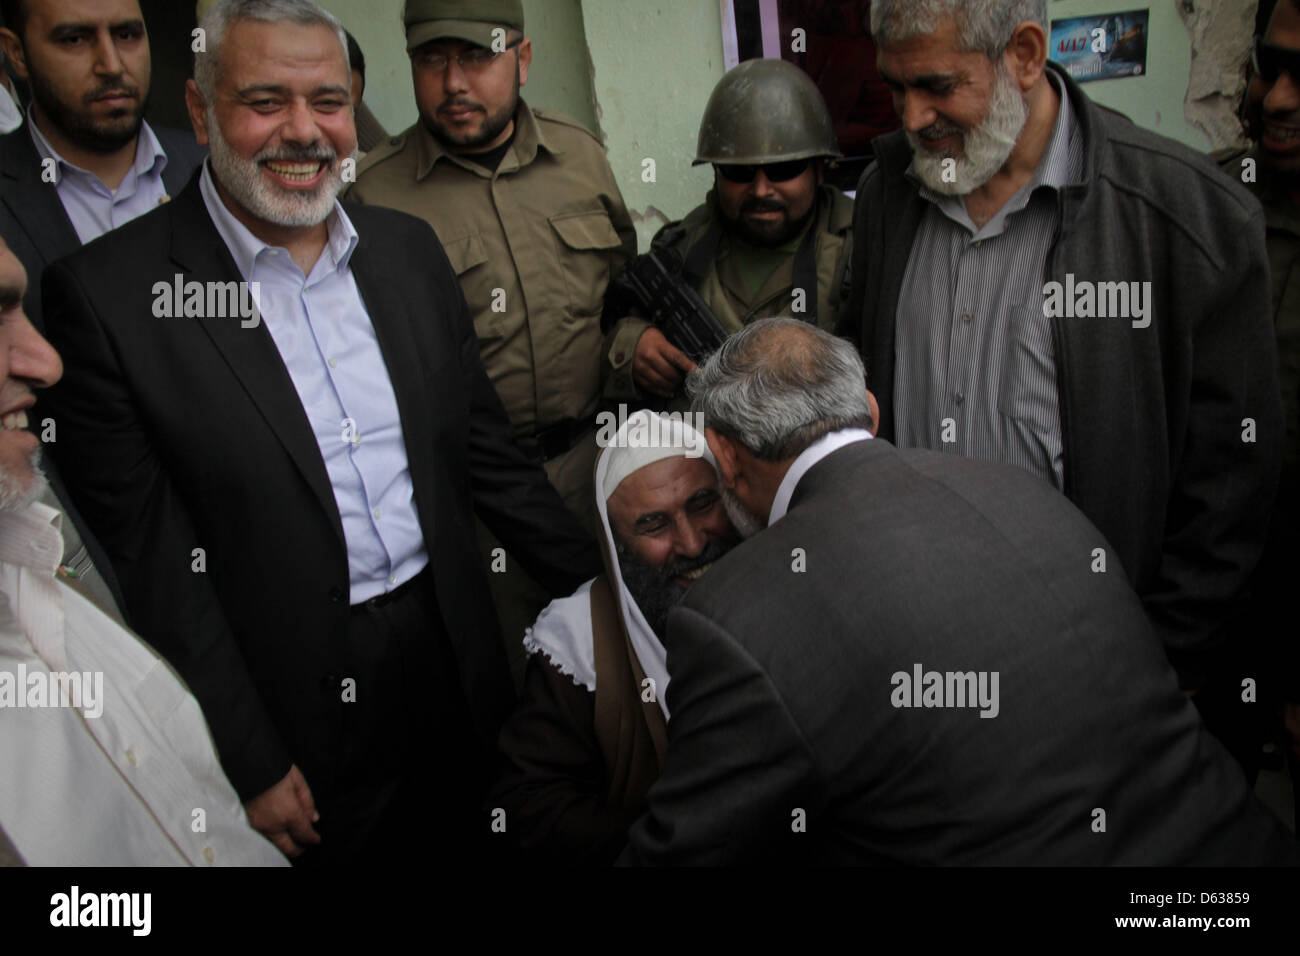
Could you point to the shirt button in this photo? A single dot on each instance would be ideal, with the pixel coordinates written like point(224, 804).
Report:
point(333, 364)
point(130, 757)
point(965, 316)
point(208, 854)
point(976, 243)
point(392, 579)
point(959, 398)
point(376, 514)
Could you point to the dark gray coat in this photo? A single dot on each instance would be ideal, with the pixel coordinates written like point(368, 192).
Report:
point(1152, 418)
point(781, 690)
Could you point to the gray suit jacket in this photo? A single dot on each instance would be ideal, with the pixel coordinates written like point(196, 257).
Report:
point(783, 698)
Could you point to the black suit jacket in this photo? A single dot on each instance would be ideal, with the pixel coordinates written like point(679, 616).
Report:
point(188, 433)
point(37, 230)
point(32, 219)
point(781, 691)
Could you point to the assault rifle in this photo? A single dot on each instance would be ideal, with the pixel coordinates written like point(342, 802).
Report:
point(655, 281)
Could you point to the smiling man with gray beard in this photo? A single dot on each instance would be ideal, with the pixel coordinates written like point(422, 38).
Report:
point(291, 503)
point(1005, 180)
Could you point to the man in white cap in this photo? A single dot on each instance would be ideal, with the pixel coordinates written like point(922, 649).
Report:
point(588, 737)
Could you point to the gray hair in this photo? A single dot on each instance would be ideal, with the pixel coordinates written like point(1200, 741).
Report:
point(983, 26)
point(778, 385)
point(219, 20)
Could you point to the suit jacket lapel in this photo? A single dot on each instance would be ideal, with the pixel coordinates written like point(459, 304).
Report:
point(201, 255)
point(33, 203)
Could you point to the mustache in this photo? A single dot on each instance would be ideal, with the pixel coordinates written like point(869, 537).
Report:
point(712, 552)
point(755, 204)
point(940, 132)
point(297, 154)
point(460, 104)
point(105, 92)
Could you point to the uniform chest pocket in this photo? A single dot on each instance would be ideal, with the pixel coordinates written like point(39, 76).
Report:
point(466, 254)
point(587, 246)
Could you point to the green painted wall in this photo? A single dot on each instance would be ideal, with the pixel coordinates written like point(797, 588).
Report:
point(1155, 100)
point(656, 61)
point(560, 78)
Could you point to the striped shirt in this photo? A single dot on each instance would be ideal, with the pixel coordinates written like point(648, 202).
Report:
point(976, 373)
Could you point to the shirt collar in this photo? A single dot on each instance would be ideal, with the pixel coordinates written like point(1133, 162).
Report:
point(32, 538)
point(149, 154)
point(529, 139)
point(814, 453)
point(245, 247)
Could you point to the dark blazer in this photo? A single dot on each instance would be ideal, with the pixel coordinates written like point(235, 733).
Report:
point(33, 221)
point(189, 433)
point(37, 230)
point(781, 690)
point(1152, 419)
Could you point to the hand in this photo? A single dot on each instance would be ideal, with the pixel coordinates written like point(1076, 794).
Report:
point(659, 366)
point(285, 814)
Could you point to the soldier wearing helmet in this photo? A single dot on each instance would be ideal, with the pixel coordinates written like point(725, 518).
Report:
point(771, 237)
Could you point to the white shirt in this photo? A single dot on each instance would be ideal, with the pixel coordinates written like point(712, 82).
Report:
point(325, 338)
point(120, 788)
point(809, 457)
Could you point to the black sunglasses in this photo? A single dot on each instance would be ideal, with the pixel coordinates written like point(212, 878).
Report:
point(775, 172)
point(1271, 61)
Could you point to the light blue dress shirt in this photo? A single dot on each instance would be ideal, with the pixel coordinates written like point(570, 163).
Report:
point(323, 333)
point(94, 208)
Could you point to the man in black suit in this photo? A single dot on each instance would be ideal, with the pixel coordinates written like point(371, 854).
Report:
point(84, 161)
point(919, 661)
point(287, 491)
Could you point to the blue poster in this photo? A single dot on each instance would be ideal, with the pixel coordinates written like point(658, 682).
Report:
point(1102, 47)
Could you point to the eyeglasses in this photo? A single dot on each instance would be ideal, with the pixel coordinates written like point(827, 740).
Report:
point(775, 172)
point(474, 60)
point(1271, 61)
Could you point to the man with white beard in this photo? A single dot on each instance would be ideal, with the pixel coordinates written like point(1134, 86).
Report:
point(1039, 282)
point(105, 752)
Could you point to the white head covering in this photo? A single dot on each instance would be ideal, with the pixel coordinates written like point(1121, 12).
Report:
point(563, 631)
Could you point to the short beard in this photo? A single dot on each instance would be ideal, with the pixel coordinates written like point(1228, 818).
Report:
point(268, 202)
point(94, 136)
point(654, 589)
point(493, 124)
point(17, 493)
point(986, 148)
point(773, 234)
point(746, 522)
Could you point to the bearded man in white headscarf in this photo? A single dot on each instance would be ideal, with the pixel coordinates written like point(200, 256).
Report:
point(588, 737)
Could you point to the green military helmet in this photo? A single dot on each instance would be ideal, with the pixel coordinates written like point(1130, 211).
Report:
point(765, 111)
